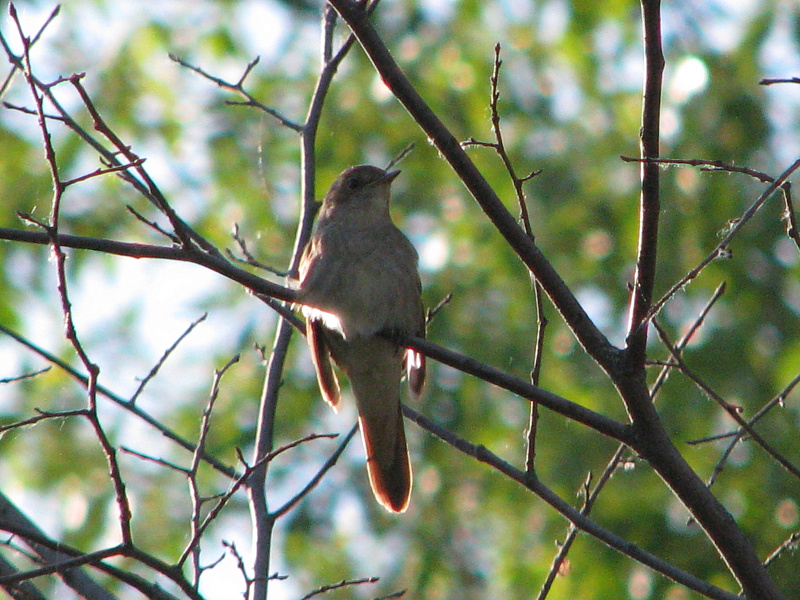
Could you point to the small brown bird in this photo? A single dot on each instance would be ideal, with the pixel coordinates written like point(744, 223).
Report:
point(359, 278)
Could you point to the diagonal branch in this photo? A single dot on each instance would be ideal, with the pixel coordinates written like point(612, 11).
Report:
point(721, 249)
point(732, 411)
point(215, 261)
point(575, 516)
point(599, 422)
point(126, 404)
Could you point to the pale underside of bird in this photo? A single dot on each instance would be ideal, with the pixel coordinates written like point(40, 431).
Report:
point(359, 284)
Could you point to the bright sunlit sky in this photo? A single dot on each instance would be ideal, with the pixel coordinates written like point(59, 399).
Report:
point(168, 294)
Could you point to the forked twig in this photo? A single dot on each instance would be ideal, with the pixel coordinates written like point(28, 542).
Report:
point(721, 250)
point(732, 411)
point(238, 88)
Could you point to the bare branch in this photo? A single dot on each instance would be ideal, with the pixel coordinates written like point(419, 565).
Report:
point(721, 250)
point(605, 425)
point(213, 262)
point(83, 380)
point(717, 165)
point(641, 296)
point(684, 341)
point(575, 516)
point(732, 411)
point(590, 497)
point(238, 88)
point(340, 585)
point(24, 376)
point(154, 371)
point(292, 502)
point(768, 81)
point(249, 259)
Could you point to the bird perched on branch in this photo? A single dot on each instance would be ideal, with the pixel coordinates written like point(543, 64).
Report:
point(358, 280)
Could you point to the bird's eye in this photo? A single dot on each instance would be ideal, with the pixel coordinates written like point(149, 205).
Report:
point(352, 183)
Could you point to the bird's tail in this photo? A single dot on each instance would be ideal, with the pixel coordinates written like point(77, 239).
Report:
point(388, 464)
point(377, 392)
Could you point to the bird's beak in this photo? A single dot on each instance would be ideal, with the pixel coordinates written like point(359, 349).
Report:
point(389, 177)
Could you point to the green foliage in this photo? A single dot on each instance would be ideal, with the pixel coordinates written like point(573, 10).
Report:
point(570, 103)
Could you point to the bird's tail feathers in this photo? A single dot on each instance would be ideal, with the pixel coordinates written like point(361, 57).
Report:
point(388, 464)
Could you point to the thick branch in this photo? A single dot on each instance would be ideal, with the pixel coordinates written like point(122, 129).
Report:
point(597, 421)
point(76, 578)
point(651, 440)
point(649, 203)
point(605, 425)
point(214, 262)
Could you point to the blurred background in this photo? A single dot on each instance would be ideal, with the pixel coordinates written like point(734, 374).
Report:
point(570, 104)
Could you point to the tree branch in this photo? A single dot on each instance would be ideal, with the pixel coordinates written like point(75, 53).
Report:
point(575, 516)
point(601, 423)
point(649, 203)
point(135, 250)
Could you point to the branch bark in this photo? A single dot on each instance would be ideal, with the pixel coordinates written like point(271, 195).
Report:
point(650, 200)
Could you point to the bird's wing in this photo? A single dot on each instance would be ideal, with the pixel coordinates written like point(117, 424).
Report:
point(321, 357)
point(309, 270)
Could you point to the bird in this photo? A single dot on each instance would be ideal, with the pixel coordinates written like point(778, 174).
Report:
point(358, 282)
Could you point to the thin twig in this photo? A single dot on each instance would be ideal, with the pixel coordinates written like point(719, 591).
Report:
point(431, 313)
point(340, 585)
point(118, 400)
point(717, 165)
point(769, 81)
point(185, 233)
point(778, 400)
point(161, 462)
point(240, 565)
point(16, 62)
point(721, 249)
point(193, 548)
point(402, 154)
point(518, 182)
point(288, 505)
point(238, 88)
point(661, 379)
point(52, 229)
point(589, 498)
point(732, 411)
point(789, 543)
point(24, 376)
point(153, 225)
point(160, 362)
point(249, 259)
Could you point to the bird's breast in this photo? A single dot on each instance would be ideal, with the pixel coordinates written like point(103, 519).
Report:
point(368, 280)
